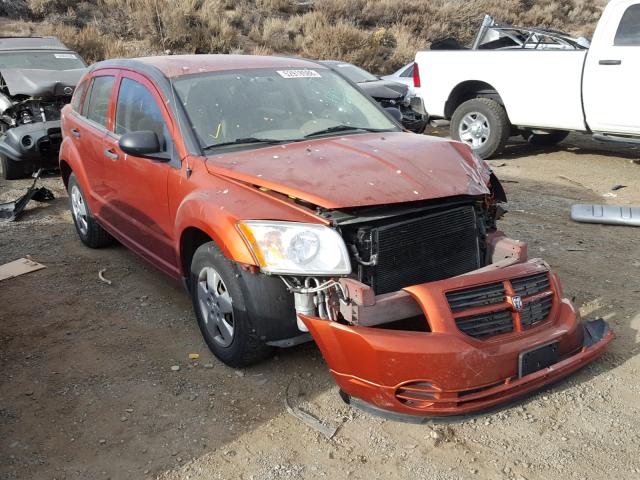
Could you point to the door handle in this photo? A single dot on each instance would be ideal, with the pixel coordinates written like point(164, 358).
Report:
point(110, 153)
point(610, 62)
point(75, 132)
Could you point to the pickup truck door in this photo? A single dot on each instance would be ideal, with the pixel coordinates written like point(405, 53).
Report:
point(612, 70)
point(141, 204)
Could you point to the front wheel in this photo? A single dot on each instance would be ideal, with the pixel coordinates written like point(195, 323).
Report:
point(221, 310)
point(545, 139)
point(481, 123)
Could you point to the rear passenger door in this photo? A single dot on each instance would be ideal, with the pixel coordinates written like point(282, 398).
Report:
point(88, 133)
point(140, 204)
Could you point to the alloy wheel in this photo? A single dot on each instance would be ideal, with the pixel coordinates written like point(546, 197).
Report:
point(79, 210)
point(216, 306)
point(474, 129)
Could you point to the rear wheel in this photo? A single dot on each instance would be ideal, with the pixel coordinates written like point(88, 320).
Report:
point(481, 123)
point(221, 311)
point(545, 139)
point(89, 231)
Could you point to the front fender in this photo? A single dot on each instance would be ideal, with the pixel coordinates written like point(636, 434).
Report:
point(202, 210)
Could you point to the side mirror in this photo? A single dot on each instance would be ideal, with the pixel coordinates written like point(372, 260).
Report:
point(395, 113)
point(143, 144)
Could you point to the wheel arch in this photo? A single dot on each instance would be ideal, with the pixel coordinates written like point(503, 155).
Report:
point(190, 240)
point(65, 172)
point(466, 91)
point(198, 221)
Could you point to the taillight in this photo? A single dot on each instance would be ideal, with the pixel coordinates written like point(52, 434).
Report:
point(416, 75)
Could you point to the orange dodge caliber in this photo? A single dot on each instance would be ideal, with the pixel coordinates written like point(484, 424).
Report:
point(294, 208)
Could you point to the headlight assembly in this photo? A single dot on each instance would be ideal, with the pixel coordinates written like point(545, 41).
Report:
point(291, 248)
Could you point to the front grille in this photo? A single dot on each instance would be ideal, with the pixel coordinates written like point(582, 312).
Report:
point(535, 311)
point(486, 324)
point(425, 249)
point(531, 285)
point(502, 318)
point(476, 296)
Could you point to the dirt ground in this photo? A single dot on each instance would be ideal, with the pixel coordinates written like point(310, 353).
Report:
point(87, 390)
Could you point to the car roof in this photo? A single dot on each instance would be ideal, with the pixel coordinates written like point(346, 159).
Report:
point(31, 43)
point(178, 65)
point(334, 62)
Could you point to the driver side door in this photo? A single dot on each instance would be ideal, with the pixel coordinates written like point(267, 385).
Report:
point(140, 203)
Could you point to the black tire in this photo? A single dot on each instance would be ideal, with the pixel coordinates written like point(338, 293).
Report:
point(545, 139)
point(91, 233)
point(498, 122)
point(11, 170)
point(245, 347)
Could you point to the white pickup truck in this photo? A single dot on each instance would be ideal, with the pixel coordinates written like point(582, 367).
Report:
point(538, 83)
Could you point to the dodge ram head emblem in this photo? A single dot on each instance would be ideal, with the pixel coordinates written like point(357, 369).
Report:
point(516, 302)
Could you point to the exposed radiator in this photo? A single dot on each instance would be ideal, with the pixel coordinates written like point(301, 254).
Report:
point(424, 249)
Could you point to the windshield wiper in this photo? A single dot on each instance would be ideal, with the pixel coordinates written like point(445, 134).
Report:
point(249, 140)
point(345, 128)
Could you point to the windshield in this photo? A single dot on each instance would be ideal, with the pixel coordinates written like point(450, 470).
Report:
point(355, 74)
point(241, 107)
point(41, 60)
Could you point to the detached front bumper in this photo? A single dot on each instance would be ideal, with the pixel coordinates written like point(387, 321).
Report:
point(33, 143)
point(447, 372)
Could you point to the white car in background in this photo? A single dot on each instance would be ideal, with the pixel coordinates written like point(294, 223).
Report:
point(403, 75)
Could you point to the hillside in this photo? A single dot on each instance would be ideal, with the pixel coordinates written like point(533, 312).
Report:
point(380, 35)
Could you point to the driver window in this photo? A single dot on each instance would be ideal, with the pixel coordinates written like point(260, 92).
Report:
point(137, 110)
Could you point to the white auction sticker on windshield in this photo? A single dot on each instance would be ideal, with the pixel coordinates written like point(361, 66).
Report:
point(64, 55)
point(298, 73)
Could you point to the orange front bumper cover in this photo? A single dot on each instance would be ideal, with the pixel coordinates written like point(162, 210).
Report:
point(445, 372)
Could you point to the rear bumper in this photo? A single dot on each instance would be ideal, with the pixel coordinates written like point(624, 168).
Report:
point(445, 372)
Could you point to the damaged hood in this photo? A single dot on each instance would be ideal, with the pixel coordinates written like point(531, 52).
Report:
point(384, 89)
point(41, 83)
point(360, 170)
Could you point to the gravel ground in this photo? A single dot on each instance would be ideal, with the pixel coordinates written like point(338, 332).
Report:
point(87, 388)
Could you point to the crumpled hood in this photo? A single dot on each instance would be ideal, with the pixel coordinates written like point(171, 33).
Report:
point(40, 83)
point(385, 89)
point(359, 170)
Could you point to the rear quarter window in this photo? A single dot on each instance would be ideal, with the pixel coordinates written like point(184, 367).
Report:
point(96, 103)
point(408, 72)
point(77, 96)
point(628, 33)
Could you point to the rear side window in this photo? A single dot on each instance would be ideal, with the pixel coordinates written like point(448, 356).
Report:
point(137, 110)
point(96, 102)
point(77, 96)
point(628, 33)
point(408, 72)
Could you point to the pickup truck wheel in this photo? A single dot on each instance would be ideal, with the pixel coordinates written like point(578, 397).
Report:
point(220, 309)
point(482, 124)
point(11, 170)
point(89, 231)
point(545, 139)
